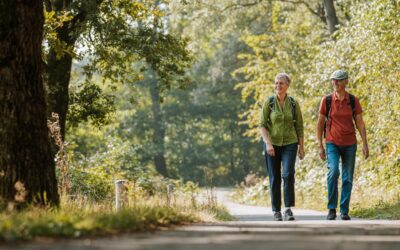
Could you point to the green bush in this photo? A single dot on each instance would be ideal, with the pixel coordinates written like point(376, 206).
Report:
point(94, 176)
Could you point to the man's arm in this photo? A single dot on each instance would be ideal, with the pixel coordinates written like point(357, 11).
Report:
point(361, 128)
point(320, 130)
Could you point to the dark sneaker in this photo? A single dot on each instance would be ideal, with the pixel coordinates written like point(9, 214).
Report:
point(331, 214)
point(277, 216)
point(288, 214)
point(345, 217)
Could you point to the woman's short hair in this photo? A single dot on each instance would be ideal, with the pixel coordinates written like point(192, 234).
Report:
point(283, 76)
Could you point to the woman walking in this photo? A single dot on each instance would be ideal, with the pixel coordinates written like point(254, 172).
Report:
point(281, 128)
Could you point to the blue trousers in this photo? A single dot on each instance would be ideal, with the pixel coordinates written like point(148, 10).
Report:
point(285, 157)
point(348, 156)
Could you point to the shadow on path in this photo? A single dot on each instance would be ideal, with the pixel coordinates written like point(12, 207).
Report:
point(268, 217)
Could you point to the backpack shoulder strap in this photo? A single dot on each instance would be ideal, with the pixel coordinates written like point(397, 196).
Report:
point(293, 108)
point(271, 103)
point(353, 104)
point(292, 101)
point(328, 102)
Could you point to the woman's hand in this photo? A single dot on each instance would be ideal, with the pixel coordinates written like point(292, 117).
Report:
point(301, 152)
point(270, 149)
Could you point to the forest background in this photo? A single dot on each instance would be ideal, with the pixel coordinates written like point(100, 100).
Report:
point(164, 96)
point(127, 118)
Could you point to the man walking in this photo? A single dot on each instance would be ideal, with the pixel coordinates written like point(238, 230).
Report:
point(336, 114)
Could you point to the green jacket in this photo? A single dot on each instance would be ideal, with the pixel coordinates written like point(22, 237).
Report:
point(279, 124)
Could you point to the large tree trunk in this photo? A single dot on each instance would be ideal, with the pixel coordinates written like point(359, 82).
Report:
point(158, 129)
point(331, 16)
point(27, 172)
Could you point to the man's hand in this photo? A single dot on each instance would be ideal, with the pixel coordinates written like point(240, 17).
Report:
point(365, 151)
point(361, 128)
point(322, 154)
point(301, 153)
point(270, 149)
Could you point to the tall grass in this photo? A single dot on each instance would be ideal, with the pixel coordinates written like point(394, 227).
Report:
point(80, 218)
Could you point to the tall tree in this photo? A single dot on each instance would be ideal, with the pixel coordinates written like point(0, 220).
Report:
point(58, 70)
point(158, 128)
point(26, 166)
point(331, 17)
point(115, 34)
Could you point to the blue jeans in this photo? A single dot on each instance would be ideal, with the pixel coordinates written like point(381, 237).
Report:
point(284, 156)
point(348, 156)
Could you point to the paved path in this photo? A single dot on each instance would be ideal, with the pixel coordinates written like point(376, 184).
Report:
point(253, 230)
point(262, 214)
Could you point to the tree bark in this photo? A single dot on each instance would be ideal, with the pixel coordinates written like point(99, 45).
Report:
point(331, 16)
point(158, 129)
point(27, 170)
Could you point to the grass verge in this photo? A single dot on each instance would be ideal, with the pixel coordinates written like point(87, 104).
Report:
point(379, 211)
point(73, 220)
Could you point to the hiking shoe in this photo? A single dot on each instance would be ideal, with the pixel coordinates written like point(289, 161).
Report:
point(331, 214)
point(277, 216)
point(288, 214)
point(345, 216)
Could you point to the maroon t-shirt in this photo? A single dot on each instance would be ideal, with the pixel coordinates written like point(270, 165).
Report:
point(340, 126)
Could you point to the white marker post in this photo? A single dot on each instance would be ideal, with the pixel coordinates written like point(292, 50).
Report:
point(120, 193)
point(170, 193)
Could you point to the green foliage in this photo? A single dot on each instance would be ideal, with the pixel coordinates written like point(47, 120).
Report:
point(367, 45)
point(54, 21)
point(236, 51)
point(211, 138)
point(289, 46)
point(116, 45)
point(195, 122)
point(111, 38)
point(201, 129)
point(88, 103)
point(93, 176)
point(368, 48)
